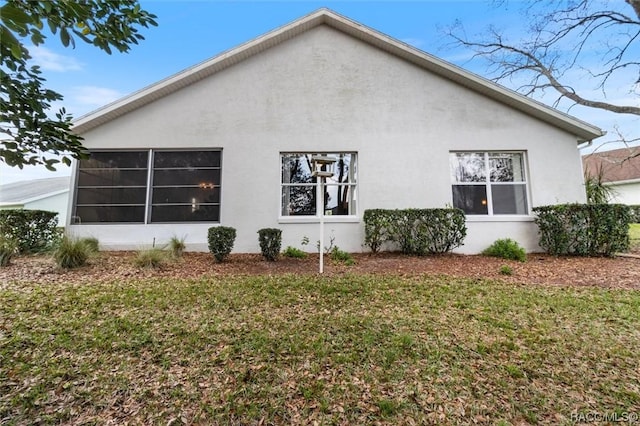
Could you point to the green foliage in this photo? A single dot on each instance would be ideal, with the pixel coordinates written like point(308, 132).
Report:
point(415, 231)
point(597, 191)
point(506, 249)
point(506, 270)
point(583, 229)
point(176, 247)
point(221, 240)
point(33, 230)
point(92, 243)
point(30, 132)
point(295, 253)
point(338, 255)
point(72, 253)
point(8, 248)
point(270, 242)
point(150, 258)
point(635, 213)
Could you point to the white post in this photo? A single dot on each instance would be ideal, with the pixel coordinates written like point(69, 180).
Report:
point(319, 211)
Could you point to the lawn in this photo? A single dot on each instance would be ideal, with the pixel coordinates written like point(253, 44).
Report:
point(306, 349)
point(634, 235)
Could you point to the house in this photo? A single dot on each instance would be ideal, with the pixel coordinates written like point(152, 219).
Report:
point(51, 194)
point(620, 170)
point(229, 142)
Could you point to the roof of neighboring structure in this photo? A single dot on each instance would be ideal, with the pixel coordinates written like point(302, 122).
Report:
point(618, 165)
point(583, 131)
point(26, 191)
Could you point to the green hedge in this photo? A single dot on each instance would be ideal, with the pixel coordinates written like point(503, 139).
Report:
point(221, 240)
point(415, 231)
point(270, 240)
point(635, 213)
point(583, 229)
point(32, 230)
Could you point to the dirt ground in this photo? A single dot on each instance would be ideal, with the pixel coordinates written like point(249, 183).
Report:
point(540, 269)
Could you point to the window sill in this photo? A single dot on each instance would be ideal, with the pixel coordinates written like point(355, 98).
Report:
point(315, 219)
point(500, 218)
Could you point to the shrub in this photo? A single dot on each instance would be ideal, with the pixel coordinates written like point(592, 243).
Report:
point(338, 255)
point(583, 229)
point(506, 249)
point(71, 253)
point(149, 258)
point(506, 270)
point(32, 230)
point(8, 248)
point(294, 252)
point(415, 231)
point(270, 242)
point(176, 247)
point(635, 213)
point(221, 239)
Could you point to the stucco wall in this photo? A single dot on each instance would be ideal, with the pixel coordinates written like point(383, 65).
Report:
point(325, 91)
point(627, 193)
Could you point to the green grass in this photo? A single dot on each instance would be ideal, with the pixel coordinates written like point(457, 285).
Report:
point(634, 235)
point(292, 349)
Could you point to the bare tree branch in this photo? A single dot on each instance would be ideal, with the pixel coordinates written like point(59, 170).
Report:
point(564, 38)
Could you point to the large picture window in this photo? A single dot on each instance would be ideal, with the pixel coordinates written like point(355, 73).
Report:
point(148, 186)
point(298, 185)
point(489, 183)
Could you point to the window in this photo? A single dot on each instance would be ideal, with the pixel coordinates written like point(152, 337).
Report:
point(299, 186)
point(489, 183)
point(121, 187)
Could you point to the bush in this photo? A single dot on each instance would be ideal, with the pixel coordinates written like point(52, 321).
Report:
point(635, 213)
point(221, 239)
point(506, 249)
point(296, 253)
point(149, 258)
point(8, 248)
point(338, 255)
point(270, 242)
point(415, 231)
point(583, 229)
point(32, 230)
point(176, 247)
point(71, 253)
point(506, 270)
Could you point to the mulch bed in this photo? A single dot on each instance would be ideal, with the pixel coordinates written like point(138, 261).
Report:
point(540, 269)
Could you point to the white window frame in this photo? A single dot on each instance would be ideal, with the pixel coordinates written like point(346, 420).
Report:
point(488, 184)
point(353, 187)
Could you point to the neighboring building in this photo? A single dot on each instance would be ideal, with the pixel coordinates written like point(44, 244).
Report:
point(51, 194)
point(228, 142)
point(620, 170)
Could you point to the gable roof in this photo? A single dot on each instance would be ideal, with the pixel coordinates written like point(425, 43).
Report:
point(618, 165)
point(26, 191)
point(582, 130)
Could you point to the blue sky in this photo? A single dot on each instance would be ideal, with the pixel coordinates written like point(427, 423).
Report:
point(192, 31)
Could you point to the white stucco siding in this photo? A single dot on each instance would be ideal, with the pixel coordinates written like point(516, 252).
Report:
point(326, 91)
point(626, 193)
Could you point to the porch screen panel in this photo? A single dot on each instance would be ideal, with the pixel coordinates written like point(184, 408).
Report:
point(112, 188)
point(186, 186)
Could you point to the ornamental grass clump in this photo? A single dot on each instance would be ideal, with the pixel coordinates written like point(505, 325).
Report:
point(176, 247)
point(71, 253)
point(8, 248)
point(149, 258)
